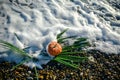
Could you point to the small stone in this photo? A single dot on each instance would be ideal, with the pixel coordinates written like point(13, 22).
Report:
point(91, 58)
point(71, 73)
point(29, 72)
point(29, 78)
point(16, 72)
point(41, 77)
point(81, 73)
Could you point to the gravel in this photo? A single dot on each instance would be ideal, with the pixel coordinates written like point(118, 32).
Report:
point(104, 67)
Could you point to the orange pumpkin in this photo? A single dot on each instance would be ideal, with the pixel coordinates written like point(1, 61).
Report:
point(54, 48)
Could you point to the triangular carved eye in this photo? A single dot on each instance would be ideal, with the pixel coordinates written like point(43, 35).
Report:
point(54, 48)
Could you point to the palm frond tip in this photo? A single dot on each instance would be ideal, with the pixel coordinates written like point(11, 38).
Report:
point(59, 35)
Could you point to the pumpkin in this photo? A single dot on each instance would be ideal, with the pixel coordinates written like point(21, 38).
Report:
point(54, 48)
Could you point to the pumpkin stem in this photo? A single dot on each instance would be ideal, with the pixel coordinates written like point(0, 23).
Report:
point(54, 45)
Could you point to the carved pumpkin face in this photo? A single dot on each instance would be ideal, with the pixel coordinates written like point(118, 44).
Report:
point(54, 48)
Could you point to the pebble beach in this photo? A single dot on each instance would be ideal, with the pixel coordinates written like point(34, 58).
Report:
point(104, 67)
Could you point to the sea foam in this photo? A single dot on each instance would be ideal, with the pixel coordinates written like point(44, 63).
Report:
point(37, 22)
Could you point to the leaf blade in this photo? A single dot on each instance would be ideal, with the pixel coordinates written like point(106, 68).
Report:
point(13, 48)
point(60, 34)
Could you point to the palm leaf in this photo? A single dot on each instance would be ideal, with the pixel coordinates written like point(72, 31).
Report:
point(69, 53)
point(13, 48)
point(66, 63)
point(71, 59)
point(59, 35)
point(22, 62)
point(61, 40)
point(16, 36)
point(36, 73)
point(81, 39)
point(75, 46)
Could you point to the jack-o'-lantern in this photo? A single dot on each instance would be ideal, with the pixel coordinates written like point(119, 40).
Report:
point(54, 48)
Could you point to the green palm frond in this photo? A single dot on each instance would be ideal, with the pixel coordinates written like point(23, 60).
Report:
point(17, 51)
point(61, 40)
point(16, 36)
point(72, 58)
point(13, 48)
point(66, 63)
point(59, 35)
point(75, 46)
point(69, 53)
point(22, 62)
point(36, 73)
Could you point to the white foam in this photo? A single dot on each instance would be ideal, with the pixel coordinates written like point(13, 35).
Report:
point(37, 22)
